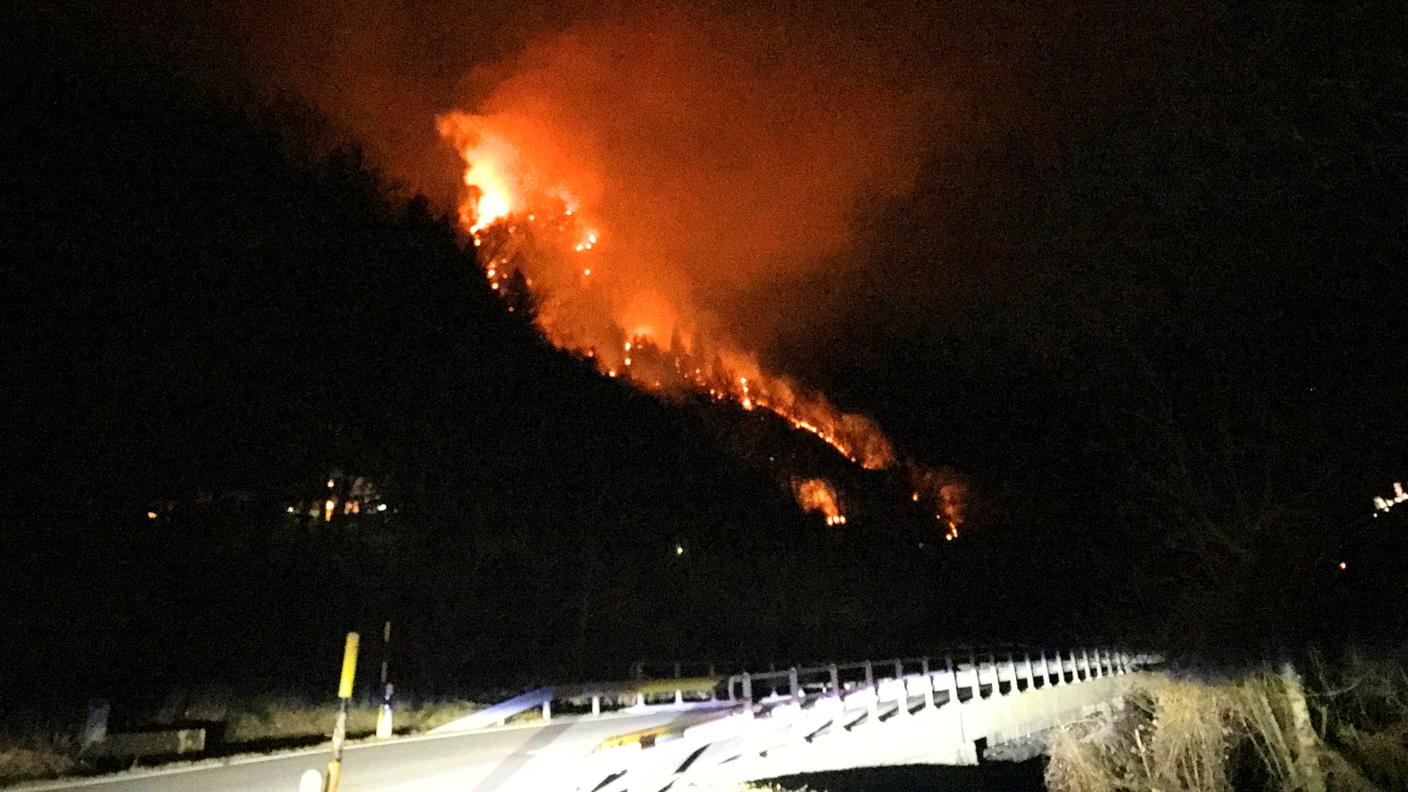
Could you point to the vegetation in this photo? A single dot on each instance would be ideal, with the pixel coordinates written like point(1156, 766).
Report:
point(1345, 729)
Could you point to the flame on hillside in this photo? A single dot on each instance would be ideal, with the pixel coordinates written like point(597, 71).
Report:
point(522, 221)
point(640, 175)
point(817, 495)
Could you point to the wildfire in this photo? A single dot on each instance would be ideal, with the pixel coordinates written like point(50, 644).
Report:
point(523, 216)
point(817, 495)
point(943, 490)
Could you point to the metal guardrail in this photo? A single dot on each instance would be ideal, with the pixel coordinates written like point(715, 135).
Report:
point(779, 718)
point(799, 683)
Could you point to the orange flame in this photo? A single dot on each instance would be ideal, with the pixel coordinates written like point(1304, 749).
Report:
point(516, 220)
point(817, 495)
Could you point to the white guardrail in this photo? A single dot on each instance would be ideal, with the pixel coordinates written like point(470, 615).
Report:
point(910, 673)
point(924, 710)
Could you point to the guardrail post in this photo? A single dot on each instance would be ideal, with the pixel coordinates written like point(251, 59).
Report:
point(1031, 675)
point(679, 696)
point(640, 699)
point(1075, 667)
point(547, 710)
point(835, 678)
point(596, 705)
point(928, 685)
point(1085, 658)
point(1012, 666)
point(793, 686)
point(952, 681)
point(873, 711)
point(996, 675)
point(1060, 667)
point(747, 694)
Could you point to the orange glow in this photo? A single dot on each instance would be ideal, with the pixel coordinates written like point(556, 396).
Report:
point(576, 157)
point(502, 176)
point(817, 495)
point(329, 507)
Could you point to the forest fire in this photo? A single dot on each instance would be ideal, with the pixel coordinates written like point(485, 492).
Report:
point(524, 222)
point(532, 230)
point(595, 191)
point(817, 495)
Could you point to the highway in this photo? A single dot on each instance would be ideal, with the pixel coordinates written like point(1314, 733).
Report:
point(535, 756)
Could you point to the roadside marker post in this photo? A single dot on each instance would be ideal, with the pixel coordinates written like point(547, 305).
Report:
point(344, 693)
point(383, 716)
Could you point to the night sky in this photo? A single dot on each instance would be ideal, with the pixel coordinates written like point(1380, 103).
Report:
point(1136, 274)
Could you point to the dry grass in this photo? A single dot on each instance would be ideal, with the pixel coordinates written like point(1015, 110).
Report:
point(1182, 736)
point(30, 757)
point(284, 718)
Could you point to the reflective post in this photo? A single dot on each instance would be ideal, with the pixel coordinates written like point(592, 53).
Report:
point(344, 692)
point(383, 716)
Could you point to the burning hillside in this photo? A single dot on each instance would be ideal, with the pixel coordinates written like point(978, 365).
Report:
point(639, 178)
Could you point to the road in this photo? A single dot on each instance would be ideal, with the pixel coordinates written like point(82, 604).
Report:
point(538, 757)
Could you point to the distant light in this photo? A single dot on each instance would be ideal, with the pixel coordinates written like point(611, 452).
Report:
point(587, 271)
point(289, 510)
point(151, 515)
point(628, 361)
point(914, 497)
point(330, 483)
point(381, 507)
point(1385, 504)
point(1343, 566)
point(328, 509)
point(679, 550)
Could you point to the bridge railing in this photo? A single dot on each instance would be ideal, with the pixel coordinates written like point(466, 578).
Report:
point(971, 672)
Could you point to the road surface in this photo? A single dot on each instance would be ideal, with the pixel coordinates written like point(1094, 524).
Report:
point(536, 757)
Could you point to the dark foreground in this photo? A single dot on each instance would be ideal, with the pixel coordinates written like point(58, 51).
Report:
point(993, 777)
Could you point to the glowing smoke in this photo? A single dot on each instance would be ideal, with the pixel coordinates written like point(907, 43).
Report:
point(817, 495)
point(696, 164)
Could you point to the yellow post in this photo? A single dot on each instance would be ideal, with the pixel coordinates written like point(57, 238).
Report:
point(349, 666)
point(344, 692)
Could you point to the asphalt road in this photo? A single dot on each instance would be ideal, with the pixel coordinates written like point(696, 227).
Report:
point(541, 757)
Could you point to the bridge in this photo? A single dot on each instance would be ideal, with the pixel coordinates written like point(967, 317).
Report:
point(709, 732)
